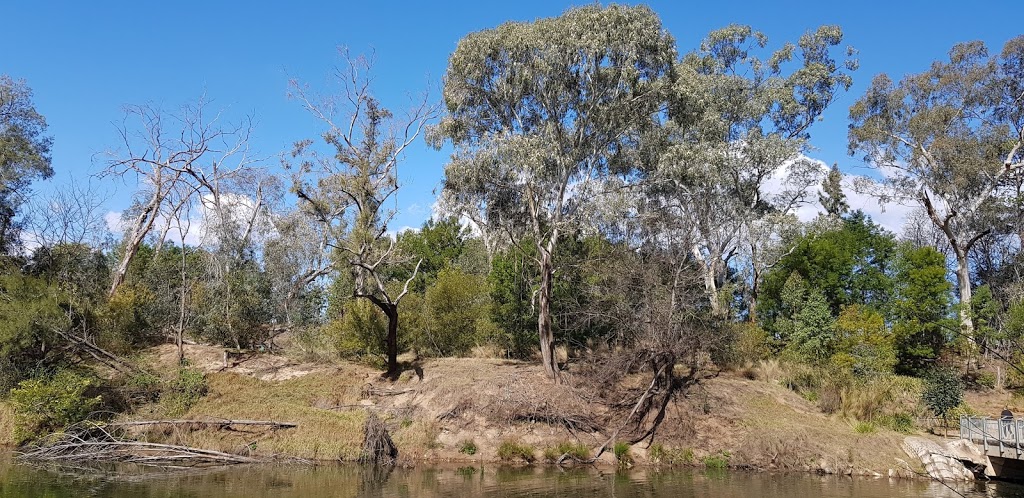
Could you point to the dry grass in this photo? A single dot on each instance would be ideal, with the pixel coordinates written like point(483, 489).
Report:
point(6, 425)
point(322, 433)
point(784, 431)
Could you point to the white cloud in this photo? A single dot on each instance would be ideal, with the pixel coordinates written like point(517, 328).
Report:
point(891, 216)
point(114, 222)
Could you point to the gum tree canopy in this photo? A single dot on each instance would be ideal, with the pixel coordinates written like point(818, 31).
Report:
point(24, 153)
point(542, 114)
point(950, 139)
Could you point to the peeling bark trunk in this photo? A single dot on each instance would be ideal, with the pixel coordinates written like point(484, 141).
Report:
point(143, 224)
point(544, 328)
point(963, 280)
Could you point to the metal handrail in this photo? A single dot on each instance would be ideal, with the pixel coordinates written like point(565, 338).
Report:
point(1004, 433)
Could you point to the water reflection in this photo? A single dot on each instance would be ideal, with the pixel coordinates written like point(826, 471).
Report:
point(19, 480)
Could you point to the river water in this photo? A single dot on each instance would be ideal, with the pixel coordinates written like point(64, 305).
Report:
point(21, 481)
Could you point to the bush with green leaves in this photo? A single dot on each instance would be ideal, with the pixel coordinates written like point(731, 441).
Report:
point(467, 447)
point(622, 455)
point(943, 391)
point(864, 345)
point(718, 460)
point(454, 314)
point(510, 451)
point(47, 404)
point(358, 333)
point(185, 390)
point(30, 311)
point(578, 451)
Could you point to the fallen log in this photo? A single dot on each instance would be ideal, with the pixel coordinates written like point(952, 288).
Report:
point(219, 423)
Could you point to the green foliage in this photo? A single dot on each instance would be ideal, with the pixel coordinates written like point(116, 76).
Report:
point(185, 391)
point(865, 428)
point(511, 310)
point(577, 450)
point(31, 311)
point(659, 453)
point(235, 306)
point(358, 333)
point(920, 307)
point(467, 447)
point(943, 391)
point(47, 404)
point(125, 316)
point(622, 455)
point(807, 331)
point(900, 422)
point(454, 317)
point(864, 344)
point(438, 243)
point(831, 197)
point(24, 155)
point(509, 451)
point(718, 460)
point(847, 265)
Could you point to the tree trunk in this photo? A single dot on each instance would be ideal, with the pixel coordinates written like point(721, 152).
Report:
point(710, 270)
point(963, 280)
point(391, 310)
point(143, 223)
point(544, 330)
point(752, 300)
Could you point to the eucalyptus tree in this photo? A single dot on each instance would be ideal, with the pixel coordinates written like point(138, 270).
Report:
point(542, 114)
point(952, 140)
point(739, 127)
point(351, 191)
point(24, 154)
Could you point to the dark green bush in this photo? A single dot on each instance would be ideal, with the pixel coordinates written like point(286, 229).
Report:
point(943, 391)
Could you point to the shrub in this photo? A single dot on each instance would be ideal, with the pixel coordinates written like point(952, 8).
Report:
point(31, 309)
point(864, 428)
point(622, 453)
point(48, 404)
point(943, 391)
point(578, 451)
point(900, 422)
point(456, 311)
point(185, 391)
point(679, 456)
point(125, 317)
point(141, 387)
point(986, 380)
point(467, 447)
point(358, 333)
point(865, 346)
point(510, 451)
point(718, 460)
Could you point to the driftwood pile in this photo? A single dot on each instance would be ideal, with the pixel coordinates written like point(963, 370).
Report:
point(378, 449)
point(105, 443)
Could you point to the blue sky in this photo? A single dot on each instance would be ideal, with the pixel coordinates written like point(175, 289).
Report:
point(85, 60)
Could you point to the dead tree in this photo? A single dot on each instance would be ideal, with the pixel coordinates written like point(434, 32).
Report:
point(352, 189)
point(164, 150)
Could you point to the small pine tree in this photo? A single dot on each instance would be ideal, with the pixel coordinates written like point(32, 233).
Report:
point(831, 197)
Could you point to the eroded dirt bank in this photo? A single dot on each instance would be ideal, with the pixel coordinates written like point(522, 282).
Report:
point(466, 409)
